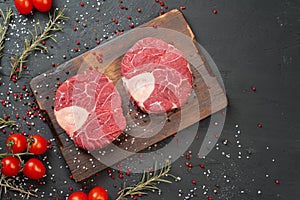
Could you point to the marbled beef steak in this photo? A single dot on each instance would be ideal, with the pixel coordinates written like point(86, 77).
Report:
point(88, 107)
point(156, 75)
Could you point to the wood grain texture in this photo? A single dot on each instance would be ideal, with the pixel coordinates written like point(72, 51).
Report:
point(207, 97)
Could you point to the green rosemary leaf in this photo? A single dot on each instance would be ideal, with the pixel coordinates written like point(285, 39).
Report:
point(137, 192)
point(163, 180)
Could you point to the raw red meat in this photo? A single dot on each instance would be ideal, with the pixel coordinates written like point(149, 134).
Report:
point(88, 107)
point(156, 75)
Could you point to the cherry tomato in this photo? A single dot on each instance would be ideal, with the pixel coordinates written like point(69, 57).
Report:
point(24, 6)
point(78, 196)
point(10, 166)
point(34, 169)
point(16, 143)
point(42, 5)
point(37, 144)
point(97, 193)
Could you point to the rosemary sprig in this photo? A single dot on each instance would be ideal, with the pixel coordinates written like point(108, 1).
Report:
point(4, 26)
point(35, 43)
point(11, 185)
point(6, 123)
point(148, 182)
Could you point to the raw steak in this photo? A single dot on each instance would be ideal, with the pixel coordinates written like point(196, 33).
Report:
point(156, 75)
point(88, 107)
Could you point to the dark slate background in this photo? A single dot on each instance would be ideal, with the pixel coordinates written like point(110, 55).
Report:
point(254, 43)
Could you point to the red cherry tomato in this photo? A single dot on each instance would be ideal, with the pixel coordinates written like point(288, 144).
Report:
point(10, 166)
point(97, 193)
point(24, 6)
point(34, 169)
point(78, 196)
point(42, 5)
point(37, 144)
point(16, 143)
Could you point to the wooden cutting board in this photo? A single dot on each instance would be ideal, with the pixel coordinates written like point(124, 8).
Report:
point(208, 96)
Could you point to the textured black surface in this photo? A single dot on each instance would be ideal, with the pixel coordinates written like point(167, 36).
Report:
point(253, 44)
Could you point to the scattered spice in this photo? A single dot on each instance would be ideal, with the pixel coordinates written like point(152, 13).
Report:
point(131, 25)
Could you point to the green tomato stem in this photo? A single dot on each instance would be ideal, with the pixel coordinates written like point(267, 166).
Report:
point(2, 155)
